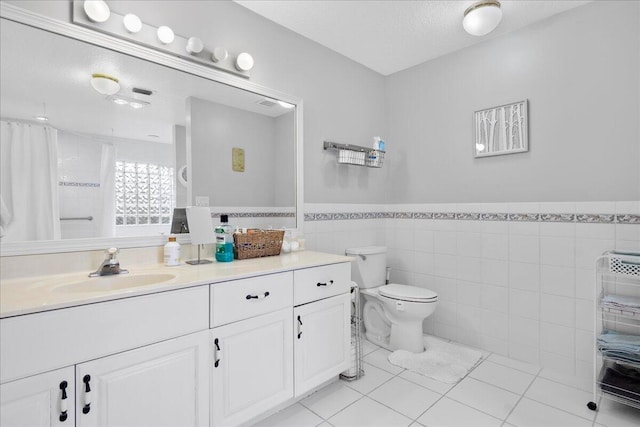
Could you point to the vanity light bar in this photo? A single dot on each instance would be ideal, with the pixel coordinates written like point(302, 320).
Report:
point(163, 39)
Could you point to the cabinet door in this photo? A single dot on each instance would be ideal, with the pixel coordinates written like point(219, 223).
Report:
point(42, 400)
point(164, 384)
point(322, 341)
point(252, 367)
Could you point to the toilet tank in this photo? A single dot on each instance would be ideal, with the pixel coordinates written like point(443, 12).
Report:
point(369, 267)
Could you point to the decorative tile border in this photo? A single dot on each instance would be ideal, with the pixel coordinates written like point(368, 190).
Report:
point(475, 216)
point(257, 215)
point(78, 184)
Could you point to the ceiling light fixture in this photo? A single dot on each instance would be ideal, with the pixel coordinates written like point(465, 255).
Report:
point(97, 10)
point(482, 17)
point(165, 34)
point(43, 117)
point(132, 23)
point(194, 45)
point(105, 84)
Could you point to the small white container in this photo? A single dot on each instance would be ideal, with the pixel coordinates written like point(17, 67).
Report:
point(172, 252)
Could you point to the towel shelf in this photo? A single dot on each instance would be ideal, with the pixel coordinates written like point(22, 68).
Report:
point(356, 154)
point(617, 307)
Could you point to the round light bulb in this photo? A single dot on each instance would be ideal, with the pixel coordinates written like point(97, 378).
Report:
point(165, 34)
point(219, 54)
point(97, 10)
point(119, 101)
point(135, 105)
point(244, 62)
point(479, 147)
point(194, 45)
point(132, 23)
point(482, 18)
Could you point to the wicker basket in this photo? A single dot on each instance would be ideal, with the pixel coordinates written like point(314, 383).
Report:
point(257, 243)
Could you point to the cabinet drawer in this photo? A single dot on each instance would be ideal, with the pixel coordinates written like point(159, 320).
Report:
point(41, 342)
point(316, 283)
point(241, 299)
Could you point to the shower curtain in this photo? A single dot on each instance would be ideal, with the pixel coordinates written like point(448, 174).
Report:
point(107, 211)
point(29, 182)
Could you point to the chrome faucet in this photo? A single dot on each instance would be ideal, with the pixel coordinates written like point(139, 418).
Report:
point(110, 265)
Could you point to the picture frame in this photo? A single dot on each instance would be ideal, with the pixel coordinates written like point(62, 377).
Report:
point(501, 130)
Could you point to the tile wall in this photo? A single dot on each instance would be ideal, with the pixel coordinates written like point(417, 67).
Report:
point(514, 279)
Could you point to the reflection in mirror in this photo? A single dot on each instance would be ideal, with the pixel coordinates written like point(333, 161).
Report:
point(117, 165)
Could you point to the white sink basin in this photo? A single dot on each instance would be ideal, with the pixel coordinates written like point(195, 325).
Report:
point(115, 282)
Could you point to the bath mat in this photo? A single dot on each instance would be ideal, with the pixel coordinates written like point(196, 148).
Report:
point(442, 361)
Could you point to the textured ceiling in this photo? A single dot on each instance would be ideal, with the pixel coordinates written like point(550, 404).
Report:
point(389, 36)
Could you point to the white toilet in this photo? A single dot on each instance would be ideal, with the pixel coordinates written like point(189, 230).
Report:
point(393, 313)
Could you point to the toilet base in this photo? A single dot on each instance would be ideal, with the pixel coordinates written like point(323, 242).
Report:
point(408, 336)
point(384, 342)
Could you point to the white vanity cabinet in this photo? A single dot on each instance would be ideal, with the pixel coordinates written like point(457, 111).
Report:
point(39, 401)
point(252, 337)
point(321, 325)
point(164, 384)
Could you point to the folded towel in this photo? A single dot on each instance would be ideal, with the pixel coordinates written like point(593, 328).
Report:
point(621, 300)
point(622, 381)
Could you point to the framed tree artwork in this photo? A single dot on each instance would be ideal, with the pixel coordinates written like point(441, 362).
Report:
point(501, 130)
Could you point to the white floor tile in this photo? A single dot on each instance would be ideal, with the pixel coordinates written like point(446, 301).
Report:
point(368, 346)
point(484, 397)
point(614, 414)
point(405, 397)
point(561, 396)
point(367, 412)
point(379, 359)
point(530, 413)
point(373, 377)
point(449, 413)
point(571, 380)
point(295, 415)
point(515, 364)
point(331, 399)
point(427, 382)
point(502, 376)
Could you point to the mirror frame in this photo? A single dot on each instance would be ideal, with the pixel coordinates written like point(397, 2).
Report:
point(32, 19)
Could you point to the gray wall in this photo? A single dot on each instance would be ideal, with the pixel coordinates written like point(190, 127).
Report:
point(212, 131)
point(579, 71)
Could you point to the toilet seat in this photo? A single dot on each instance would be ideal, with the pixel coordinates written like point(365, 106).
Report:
point(407, 293)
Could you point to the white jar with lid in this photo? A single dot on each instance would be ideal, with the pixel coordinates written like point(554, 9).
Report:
point(172, 252)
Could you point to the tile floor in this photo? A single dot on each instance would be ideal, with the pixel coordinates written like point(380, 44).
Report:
point(498, 392)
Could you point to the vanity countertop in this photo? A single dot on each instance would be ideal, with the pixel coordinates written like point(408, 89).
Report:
point(43, 293)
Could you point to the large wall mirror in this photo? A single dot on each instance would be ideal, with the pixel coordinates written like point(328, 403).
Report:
point(109, 168)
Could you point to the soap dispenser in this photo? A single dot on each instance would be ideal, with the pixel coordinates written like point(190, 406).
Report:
point(224, 240)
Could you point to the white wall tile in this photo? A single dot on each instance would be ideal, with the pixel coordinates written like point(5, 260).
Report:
point(445, 330)
point(558, 310)
point(585, 282)
point(595, 207)
point(447, 288)
point(524, 249)
point(446, 312)
point(495, 298)
point(495, 246)
point(524, 276)
point(628, 207)
point(627, 232)
point(445, 242)
point(557, 207)
point(596, 231)
point(495, 272)
point(469, 269)
point(423, 240)
point(469, 244)
point(524, 331)
point(585, 345)
point(558, 363)
point(524, 228)
point(585, 315)
point(469, 319)
point(557, 339)
point(469, 293)
point(587, 250)
point(445, 265)
point(557, 251)
point(524, 303)
point(495, 227)
point(495, 325)
point(557, 280)
point(524, 352)
point(423, 263)
point(558, 229)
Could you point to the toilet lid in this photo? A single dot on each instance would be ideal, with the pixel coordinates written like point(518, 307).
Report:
point(407, 293)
